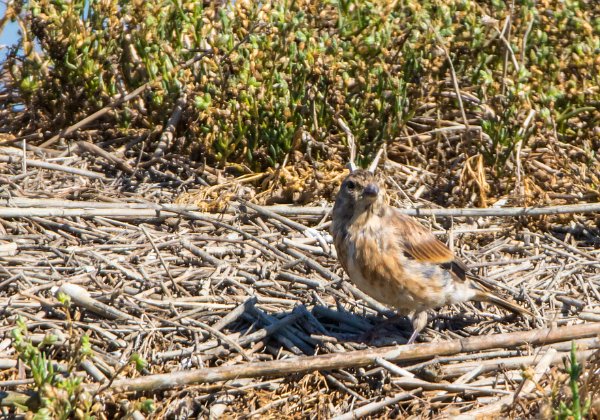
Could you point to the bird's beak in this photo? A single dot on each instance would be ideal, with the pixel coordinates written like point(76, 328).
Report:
point(370, 192)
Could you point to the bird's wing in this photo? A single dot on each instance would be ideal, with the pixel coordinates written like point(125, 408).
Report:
point(421, 245)
point(419, 242)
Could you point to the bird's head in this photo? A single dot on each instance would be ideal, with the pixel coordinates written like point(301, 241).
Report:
point(360, 191)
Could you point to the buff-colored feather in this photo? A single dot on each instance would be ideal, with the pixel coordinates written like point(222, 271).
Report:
point(396, 260)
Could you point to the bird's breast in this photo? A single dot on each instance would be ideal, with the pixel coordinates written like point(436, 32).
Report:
point(374, 265)
point(375, 262)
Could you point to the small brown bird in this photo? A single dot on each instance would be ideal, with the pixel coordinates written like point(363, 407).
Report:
point(396, 260)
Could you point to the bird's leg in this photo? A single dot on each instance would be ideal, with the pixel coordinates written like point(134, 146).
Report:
point(419, 321)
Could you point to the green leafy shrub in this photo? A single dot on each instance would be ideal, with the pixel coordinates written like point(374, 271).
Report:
point(60, 394)
point(266, 71)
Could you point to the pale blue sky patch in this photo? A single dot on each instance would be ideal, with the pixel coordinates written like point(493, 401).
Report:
point(9, 35)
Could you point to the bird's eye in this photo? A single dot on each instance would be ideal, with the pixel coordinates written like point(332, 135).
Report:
point(350, 185)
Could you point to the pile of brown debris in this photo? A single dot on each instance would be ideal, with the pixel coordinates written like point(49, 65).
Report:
point(245, 312)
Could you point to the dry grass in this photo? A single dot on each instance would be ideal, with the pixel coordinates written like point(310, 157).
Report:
point(480, 105)
point(170, 294)
point(488, 97)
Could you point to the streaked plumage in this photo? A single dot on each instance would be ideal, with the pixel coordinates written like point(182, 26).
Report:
point(396, 260)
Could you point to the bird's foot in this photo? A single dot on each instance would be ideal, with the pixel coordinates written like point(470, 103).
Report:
point(413, 337)
point(419, 321)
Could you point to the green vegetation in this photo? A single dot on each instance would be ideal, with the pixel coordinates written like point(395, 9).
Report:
point(575, 409)
point(57, 392)
point(267, 71)
point(60, 394)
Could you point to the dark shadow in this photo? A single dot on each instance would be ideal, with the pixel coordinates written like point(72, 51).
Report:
point(324, 326)
point(12, 399)
point(586, 235)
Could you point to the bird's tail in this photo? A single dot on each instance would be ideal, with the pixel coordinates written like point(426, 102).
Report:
point(482, 296)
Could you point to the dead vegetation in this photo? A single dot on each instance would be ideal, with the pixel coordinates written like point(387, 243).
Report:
point(485, 99)
point(149, 266)
point(235, 310)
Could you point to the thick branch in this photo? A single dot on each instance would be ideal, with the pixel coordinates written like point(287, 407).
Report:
point(406, 353)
